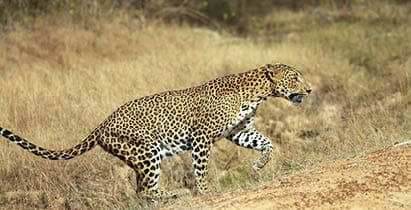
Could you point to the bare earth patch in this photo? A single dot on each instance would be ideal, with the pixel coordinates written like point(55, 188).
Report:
point(380, 180)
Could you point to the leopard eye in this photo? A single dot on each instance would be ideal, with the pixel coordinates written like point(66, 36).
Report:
point(295, 79)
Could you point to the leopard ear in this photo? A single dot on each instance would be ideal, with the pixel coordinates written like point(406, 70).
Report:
point(269, 73)
point(270, 66)
point(271, 69)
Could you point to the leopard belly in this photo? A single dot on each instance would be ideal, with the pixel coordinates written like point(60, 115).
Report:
point(172, 147)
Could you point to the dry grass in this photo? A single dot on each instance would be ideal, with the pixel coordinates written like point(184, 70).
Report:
point(60, 81)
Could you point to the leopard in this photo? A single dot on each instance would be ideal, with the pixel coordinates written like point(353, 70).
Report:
point(144, 131)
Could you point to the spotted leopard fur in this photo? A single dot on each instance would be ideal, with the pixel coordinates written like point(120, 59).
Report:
point(144, 131)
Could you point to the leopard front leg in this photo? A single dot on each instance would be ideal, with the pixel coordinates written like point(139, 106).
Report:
point(251, 138)
point(200, 156)
point(264, 158)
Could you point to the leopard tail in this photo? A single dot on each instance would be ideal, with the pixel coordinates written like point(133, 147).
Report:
point(87, 144)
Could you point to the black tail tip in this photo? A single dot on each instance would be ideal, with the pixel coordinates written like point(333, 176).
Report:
point(5, 132)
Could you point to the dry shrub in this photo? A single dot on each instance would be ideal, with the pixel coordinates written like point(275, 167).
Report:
point(60, 81)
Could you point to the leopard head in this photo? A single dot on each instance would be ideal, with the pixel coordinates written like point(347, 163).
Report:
point(287, 82)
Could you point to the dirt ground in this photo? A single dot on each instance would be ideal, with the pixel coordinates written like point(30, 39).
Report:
point(380, 180)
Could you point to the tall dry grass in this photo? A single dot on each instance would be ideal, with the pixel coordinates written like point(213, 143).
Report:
point(59, 81)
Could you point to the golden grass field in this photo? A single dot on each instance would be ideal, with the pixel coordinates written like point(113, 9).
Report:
point(59, 81)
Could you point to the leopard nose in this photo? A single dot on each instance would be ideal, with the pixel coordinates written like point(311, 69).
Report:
point(308, 91)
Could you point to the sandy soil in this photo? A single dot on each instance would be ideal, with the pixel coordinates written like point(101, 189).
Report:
point(381, 180)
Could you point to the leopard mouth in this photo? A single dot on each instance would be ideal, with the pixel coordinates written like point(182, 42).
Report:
point(296, 98)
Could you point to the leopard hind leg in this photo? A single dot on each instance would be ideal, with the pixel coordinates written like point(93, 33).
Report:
point(147, 165)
